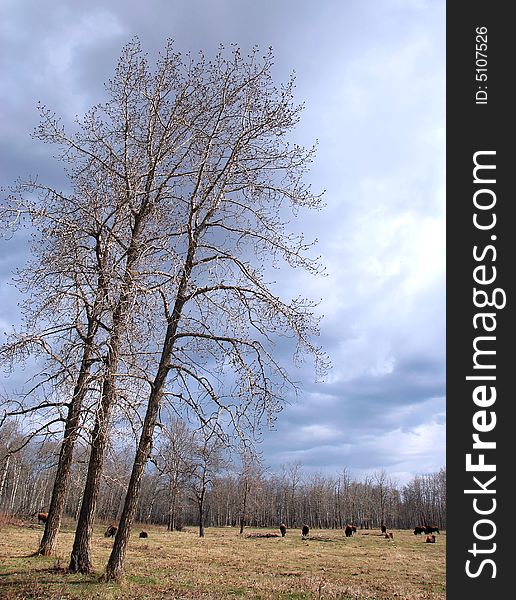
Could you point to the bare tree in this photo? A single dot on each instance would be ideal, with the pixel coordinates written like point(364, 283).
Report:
point(380, 493)
point(221, 315)
point(208, 460)
point(119, 180)
point(70, 358)
point(251, 472)
point(173, 459)
point(424, 499)
point(292, 478)
point(180, 184)
point(73, 286)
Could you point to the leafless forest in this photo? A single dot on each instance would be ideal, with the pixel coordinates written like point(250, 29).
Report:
point(173, 483)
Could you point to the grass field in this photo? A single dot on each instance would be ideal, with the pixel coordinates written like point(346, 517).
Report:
point(226, 565)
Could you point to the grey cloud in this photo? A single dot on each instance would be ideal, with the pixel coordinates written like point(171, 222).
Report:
point(372, 76)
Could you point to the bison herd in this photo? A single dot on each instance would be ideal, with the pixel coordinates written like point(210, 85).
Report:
point(426, 529)
point(349, 530)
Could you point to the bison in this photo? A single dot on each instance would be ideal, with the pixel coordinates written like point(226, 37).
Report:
point(305, 531)
point(430, 539)
point(111, 531)
point(431, 529)
point(42, 517)
point(283, 529)
point(348, 531)
point(384, 529)
point(418, 530)
point(390, 535)
point(144, 534)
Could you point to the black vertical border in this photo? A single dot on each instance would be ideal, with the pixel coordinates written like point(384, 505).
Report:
point(472, 127)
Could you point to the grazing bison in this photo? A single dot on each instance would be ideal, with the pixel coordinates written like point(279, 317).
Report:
point(305, 530)
point(418, 530)
point(111, 531)
point(144, 534)
point(383, 528)
point(390, 535)
point(283, 530)
point(430, 539)
point(42, 517)
point(431, 529)
point(348, 531)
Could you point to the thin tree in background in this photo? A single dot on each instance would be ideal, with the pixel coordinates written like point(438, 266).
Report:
point(244, 485)
point(207, 462)
point(173, 459)
point(251, 472)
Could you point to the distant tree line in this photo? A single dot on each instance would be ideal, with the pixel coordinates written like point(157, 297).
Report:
point(192, 482)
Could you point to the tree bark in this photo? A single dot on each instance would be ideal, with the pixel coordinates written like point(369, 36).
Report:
point(80, 559)
point(244, 507)
point(200, 504)
point(201, 518)
point(55, 513)
point(5, 469)
point(172, 507)
point(114, 569)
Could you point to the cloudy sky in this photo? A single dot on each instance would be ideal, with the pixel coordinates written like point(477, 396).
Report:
point(371, 73)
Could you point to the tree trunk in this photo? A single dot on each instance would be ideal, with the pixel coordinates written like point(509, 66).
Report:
point(55, 513)
point(3, 478)
point(80, 560)
point(151, 504)
point(201, 515)
point(114, 568)
point(244, 507)
point(172, 507)
point(49, 540)
point(16, 480)
point(53, 523)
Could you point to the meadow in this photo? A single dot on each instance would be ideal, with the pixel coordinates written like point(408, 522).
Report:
point(224, 564)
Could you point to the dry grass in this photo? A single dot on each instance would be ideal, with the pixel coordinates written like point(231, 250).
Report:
point(226, 565)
